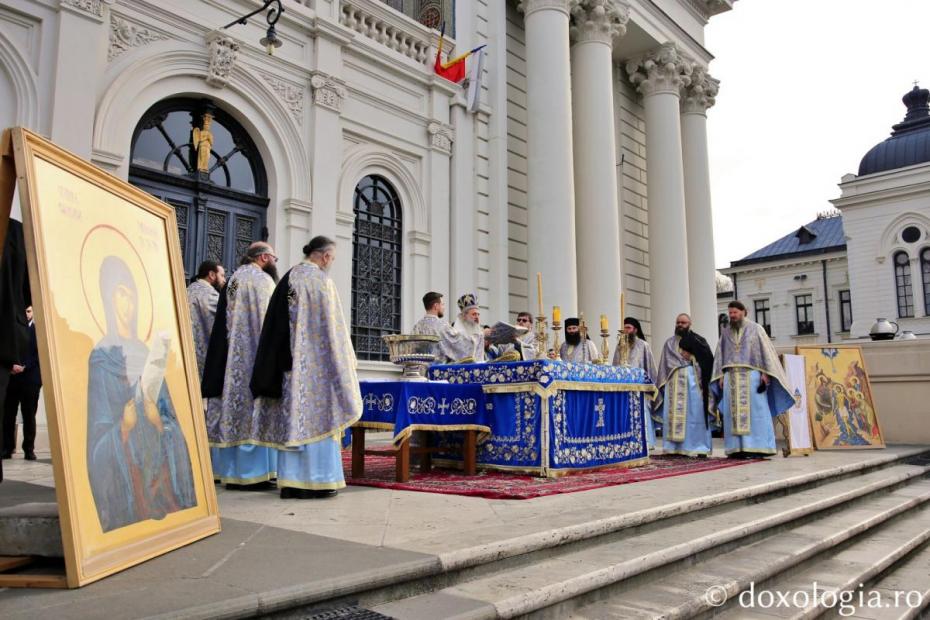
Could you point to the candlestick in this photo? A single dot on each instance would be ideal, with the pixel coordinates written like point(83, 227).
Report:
point(556, 315)
point(583, 332)
point(539, 291)
point(605, 342)
point(542, 337)
point(556, 326)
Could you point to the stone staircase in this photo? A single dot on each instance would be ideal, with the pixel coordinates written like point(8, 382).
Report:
point(730, 554)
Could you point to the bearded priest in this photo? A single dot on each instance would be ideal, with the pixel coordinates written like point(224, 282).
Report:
point(749, 387)
point(305, 377)
point(573, 350)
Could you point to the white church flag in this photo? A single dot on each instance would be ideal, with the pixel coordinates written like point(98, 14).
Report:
point(799, 428)
point(475, 72)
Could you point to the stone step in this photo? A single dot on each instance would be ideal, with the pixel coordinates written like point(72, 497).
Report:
point(910, 578)
point(546, 584)
point(707, 586)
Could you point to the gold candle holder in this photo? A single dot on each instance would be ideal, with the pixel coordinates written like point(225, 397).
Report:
point(583, 332)
point(556, 327)
point(605, 346)
point(542, 337)
point(623, 345)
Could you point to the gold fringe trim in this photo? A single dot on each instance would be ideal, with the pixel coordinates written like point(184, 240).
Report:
point(311, 486)
point(335, 433)
point(246, 481)
point(558, 473)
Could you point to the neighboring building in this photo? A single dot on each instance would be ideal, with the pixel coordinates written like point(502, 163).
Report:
point(346, 131)
point(886, 214)
point(798, 286)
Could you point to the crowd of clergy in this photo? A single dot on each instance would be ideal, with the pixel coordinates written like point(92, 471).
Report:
point(280, 387)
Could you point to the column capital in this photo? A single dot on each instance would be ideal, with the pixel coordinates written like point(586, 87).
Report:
point(701, 94)
point(527, 7)
point(328, 92)
point(599, 21)
point(664, 70)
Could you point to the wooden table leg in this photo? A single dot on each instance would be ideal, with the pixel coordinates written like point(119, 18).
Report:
point(358, 452)
point(470, 453)
point(426, 458)
point(402, 473)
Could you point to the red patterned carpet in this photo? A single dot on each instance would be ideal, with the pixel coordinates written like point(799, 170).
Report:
point(379, 472)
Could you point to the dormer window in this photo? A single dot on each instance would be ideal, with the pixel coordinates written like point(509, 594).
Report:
point(805, 235)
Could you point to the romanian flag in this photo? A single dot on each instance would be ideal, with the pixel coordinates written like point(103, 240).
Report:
point(452, 70)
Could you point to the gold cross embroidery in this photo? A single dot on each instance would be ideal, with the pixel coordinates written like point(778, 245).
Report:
point(600, 408)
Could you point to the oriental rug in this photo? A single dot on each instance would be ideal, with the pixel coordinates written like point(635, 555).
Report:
point(379, 472)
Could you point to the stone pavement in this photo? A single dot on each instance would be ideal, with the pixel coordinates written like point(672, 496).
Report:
point(272, 550)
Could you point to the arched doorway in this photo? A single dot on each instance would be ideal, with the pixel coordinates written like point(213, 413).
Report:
point(218, 186)
point(376, 266)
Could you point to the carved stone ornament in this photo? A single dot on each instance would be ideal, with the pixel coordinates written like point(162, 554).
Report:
point(94, 7)
point(224, 51)
point(441, 136)
point(291, 94)
point(528, 7)
point(701, 94)
point(663, 70)
point(327, 92)
point(125, 35)
point(599, 20)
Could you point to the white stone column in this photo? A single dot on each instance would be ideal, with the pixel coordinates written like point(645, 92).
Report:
point(659, 76)
point(595, 23)
point(551, 192)
point(697, 98)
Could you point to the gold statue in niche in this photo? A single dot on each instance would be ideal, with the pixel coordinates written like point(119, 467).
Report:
point(203, 142)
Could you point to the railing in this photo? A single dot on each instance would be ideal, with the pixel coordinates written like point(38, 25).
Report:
point(394, 30)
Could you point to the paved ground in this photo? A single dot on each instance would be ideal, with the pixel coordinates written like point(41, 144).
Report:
point(271, 547)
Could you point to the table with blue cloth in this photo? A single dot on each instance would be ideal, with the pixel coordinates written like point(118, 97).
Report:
point(404, 407)
point(552, 417)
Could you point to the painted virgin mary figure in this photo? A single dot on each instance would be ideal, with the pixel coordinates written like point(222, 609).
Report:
point(137, 459)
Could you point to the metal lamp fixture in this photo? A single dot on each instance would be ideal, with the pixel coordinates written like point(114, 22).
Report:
point(270, 41)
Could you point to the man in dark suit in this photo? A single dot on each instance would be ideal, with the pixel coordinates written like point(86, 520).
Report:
point(23, 393)
point(14, 298)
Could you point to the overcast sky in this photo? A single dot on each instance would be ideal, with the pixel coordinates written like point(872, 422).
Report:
point(808, 86)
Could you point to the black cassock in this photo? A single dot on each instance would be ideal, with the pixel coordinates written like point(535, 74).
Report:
point(695, 344)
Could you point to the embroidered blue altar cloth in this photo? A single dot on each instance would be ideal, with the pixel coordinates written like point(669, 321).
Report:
point(407, 406)
point(552, 417)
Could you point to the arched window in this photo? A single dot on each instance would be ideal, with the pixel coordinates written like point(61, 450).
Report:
point(376, 267)
point(903, 285)
point(925, 276)
point(221, 197)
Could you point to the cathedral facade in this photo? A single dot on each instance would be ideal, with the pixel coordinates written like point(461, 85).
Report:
point(584, 160)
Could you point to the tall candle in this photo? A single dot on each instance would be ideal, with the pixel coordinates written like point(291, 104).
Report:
point(604, 326)
point(556, 314)
point(622, 310)
point(539, 292)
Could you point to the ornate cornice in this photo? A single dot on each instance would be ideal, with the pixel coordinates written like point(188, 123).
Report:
point(328, 92)
point(441, 136)
point(289, 93)
point(700, 95)
point(663, 70)
point(90, 7)
point(125, 35)
point(224, 52)
point(599, 21)
point(528, 7)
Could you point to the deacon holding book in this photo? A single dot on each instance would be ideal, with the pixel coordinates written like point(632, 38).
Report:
point(748, 386)
point(305, 377)
point(684, 372)
point(231, 410)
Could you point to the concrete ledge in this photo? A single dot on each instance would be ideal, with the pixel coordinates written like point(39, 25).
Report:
point(31, 529)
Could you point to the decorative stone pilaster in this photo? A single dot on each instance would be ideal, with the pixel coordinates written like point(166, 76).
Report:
point(701, 93)
point(328, 92)
point(124, 35)
point(598, 21)
point(224, 52)
point(663, 70)
point(441, 137)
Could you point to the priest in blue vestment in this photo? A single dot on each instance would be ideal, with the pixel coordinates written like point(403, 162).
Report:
point(749, 387)
point(203, 294)
point(684, 371)
point(639, 355)
point(232, 413)
point(305, 377)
